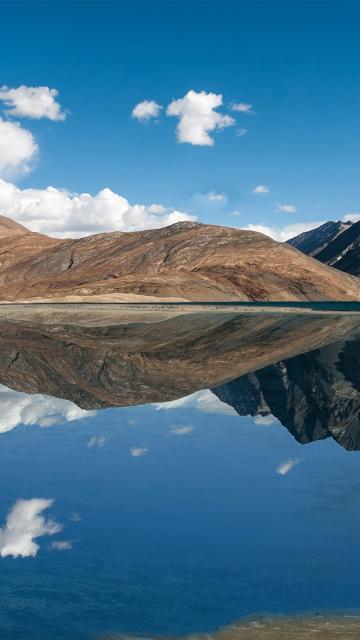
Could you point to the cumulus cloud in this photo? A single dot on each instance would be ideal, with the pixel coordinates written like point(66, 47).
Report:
point(287, 208)
point(25, 523)
point(281, 234)
point(235, 213)
point(17, 147)
point(198, 116)
point(243, 107)
point(241, 132)
point(204, 400)
point(20, 408)
point(32, 102)
point(352, 217)
point(181, 431)
point(285, 467)
point(138, 452)
point(62, 545)
point(261, 190)
point(146, 110)
point(61, 213)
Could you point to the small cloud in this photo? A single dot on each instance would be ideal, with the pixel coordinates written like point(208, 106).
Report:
point(285, 467)
point(261, 190)
point(32, 102)
point(198, 117)
point(138, 452)
point(352, 217)
point(217, 196)
point(93, 441)
point(25, 523)
point(75, 517)
point(288, 208)
point(235, 213)
point(130, 422)
point(243, 107)
point(181, 431)
point(241, 132)
point(62, 545)
point(146, 110)
point(265, 421)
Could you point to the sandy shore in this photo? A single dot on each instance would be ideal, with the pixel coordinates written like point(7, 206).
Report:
point(298, 628)
point(20, 308)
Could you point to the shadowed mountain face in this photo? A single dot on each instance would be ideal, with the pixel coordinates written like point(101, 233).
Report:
point(315, 395)
point(105, 358)
point(185, 261)
point(334, 243)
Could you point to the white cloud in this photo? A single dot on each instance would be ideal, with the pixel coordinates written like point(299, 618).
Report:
point(204, 400)
point(288, 208)
point(265, 421)
point(243, 107)
point(235, 213)
point(146, 110)
point(20, 408)
point(217, 196)
point(262, 190)
point(285, 467)
point(25, 523)
point(281, 234)
point(241, 132)
point(198, 116)
point(60, 213)
point(181, 431)
point(93, 441)
point(75, 517)
point(62, 545)
point(138, 452)
point(352, 217)
point(17, 147)
point(32, 102)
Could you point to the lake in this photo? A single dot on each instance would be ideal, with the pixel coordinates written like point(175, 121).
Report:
point(169, 473)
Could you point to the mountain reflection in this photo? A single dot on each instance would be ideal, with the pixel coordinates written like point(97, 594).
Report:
point(314, 395)
point(301, 367)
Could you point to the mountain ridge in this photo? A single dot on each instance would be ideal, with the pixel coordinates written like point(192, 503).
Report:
point(186, 261)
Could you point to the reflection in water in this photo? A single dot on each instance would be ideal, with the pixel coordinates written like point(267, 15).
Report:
point(177, 517)
point(315, 395)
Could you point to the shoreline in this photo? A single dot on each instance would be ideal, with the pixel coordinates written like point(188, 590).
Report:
point(297, 627)
point(326, 308)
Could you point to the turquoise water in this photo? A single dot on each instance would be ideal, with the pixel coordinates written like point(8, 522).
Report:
point(175, 521)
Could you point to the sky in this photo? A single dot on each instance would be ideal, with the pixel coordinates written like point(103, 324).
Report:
point(131, 115)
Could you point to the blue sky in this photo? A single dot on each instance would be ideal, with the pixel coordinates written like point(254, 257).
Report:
point(296, 63)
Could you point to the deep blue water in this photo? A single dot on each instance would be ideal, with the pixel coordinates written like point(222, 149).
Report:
point(197, 532)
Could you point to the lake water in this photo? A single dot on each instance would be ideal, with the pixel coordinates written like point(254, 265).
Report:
point(177, 517)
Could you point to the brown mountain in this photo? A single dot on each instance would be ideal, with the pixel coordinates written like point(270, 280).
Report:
point(185, 261)
point(121, 356)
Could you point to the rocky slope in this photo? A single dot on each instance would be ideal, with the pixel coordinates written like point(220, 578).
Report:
point(315, 395)
point(336, 244)
point(185, 261)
